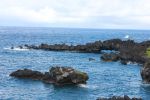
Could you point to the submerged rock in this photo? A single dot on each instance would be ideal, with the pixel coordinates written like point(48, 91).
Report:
point(145, 72)
point(56, 75)
point(125, 97)
point(91, 59)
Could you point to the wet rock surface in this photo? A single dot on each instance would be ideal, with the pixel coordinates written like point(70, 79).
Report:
point(27, 73)
point(145, 72)
point(110, 57)
point(56, 75)
point(125, 97)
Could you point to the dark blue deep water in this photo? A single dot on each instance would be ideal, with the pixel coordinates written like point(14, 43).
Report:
point(106, 79)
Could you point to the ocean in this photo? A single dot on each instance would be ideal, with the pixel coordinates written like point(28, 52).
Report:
point(105, 78)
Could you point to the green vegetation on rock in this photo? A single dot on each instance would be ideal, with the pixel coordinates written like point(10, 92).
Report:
point(148, 52)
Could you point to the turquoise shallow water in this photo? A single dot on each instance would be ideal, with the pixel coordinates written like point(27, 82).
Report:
point(106, 79)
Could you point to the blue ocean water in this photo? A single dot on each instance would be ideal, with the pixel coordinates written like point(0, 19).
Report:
point(106, 79)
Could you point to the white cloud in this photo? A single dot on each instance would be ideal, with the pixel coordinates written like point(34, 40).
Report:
point(77, 13)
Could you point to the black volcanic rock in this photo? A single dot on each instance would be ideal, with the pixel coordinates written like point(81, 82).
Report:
point(63, 75)
point(129, 51)
point(145, 72)
point(124, 62)
point(125, 97)
point(110, 57)
point(27, 73)
point(94, 47)
point(56, 75)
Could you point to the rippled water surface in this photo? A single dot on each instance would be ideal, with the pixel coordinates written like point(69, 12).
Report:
point(106, 79)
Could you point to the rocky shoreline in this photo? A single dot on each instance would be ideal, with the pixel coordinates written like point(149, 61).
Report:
point(126, 51)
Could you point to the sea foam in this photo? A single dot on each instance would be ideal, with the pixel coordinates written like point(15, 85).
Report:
point(16, 49)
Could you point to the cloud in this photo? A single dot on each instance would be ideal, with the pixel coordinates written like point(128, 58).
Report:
point(77, 13)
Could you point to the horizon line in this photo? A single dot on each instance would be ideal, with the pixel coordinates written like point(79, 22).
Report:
point(77, 28)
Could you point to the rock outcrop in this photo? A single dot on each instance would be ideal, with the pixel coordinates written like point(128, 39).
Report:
point(63, 75)
point(56, 75)
point(88, 48)
point(125, 97)
point(128, 50)
point(110, 57)
point(145, 72)
point(27, 73)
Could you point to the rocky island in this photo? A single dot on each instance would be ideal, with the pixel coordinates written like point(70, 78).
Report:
point(56, 75)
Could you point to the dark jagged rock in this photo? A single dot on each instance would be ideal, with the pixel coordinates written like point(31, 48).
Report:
point(56, 75)
point(125, 97)
point(110, 57)
point(124, 62)
point(133, 54)
point(89, 47)
point(129, 50)
point(145, 72)
point(27, 73)
point(68, 75)
point(113, 44)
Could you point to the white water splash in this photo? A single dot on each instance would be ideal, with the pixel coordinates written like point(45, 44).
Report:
point(127, 37)
point(83, 85)
point(88, 86)
point(132, 63)
point(16, 49)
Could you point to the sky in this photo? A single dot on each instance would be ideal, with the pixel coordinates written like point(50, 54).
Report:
point(111, 14)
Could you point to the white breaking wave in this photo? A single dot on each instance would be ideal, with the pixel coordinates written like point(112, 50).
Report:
point(88, 86)
point(16, 49)
point(83, 85)
point(145, 84)
point(132, 63)
point(127, 37)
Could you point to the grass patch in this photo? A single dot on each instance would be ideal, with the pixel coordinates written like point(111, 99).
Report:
point(148, 52)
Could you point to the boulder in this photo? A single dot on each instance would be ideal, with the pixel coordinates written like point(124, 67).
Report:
point(68, 75)
point(27, 73)
point(56, 75)
point(110, 57)
point(145, 72)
